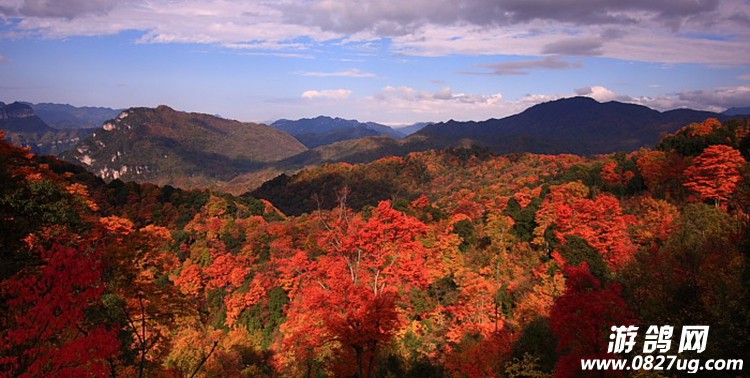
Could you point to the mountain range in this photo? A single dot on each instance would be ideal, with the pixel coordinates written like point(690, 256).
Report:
point(64, 116)
point(166, 146)
point(322, 130)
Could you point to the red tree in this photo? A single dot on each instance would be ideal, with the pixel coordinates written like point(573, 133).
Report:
point(582, 318)
point(715, 173)
point(46, 331)
point(601, 223)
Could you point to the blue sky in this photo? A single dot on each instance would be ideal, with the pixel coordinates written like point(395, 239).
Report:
point(374, 60)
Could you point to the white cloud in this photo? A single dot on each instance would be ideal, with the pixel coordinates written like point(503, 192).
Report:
point(720, 97)
point(647, 43)
point(442, 97)
point(716, 100)
point(600, 94)
point(332, 94)
point(4, 59)
point(411, 104)
point(278, 54)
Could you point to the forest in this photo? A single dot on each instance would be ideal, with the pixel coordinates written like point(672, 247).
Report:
point(451, 263)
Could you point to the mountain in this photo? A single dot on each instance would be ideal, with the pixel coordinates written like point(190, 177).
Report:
point(20, 118)
point(64, 116)
point(578, 125)
point(322, 130)
point(166, 146)
point(737, 111)
point(25, 128)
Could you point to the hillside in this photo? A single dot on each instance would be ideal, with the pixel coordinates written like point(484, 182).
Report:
point(578, 125)
point(55, 142)
point(418, 173)
point(743, 111)
point(320, 131)
point(166, 146)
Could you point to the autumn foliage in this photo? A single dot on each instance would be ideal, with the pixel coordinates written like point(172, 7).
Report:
point(715, 173)
point(439, 263)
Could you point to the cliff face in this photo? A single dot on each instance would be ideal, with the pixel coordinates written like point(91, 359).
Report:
point(15, 110)
point(20, 118)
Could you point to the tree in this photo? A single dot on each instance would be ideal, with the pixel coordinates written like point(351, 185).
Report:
point(715, 173)
point(137, 264)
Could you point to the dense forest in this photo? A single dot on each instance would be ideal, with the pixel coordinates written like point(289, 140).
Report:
point(452, 263)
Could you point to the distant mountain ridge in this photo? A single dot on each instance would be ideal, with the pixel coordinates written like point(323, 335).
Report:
point(323, 130)
point(577, 125)
point(737, 111)
point(25, 128)
point(64, 116)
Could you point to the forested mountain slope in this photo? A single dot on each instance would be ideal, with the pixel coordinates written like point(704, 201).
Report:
point(468, 264)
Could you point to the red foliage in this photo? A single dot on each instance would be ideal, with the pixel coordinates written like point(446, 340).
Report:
point(601, 223)
point(715, 173)
point(703, 128)
point(190, 280)
point(610, 173)
point(581, 320)
point(46, 332)
point(351, 291)
point(226, 271)
point(480, 357)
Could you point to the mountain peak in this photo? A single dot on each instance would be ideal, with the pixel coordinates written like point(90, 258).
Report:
point(579, 125)
point(166, 146)
point(18, 117)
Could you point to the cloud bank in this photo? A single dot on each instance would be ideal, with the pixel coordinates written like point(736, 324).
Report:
point(671, 31)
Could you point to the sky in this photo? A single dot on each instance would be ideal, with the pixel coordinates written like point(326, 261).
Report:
point(395, 62)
